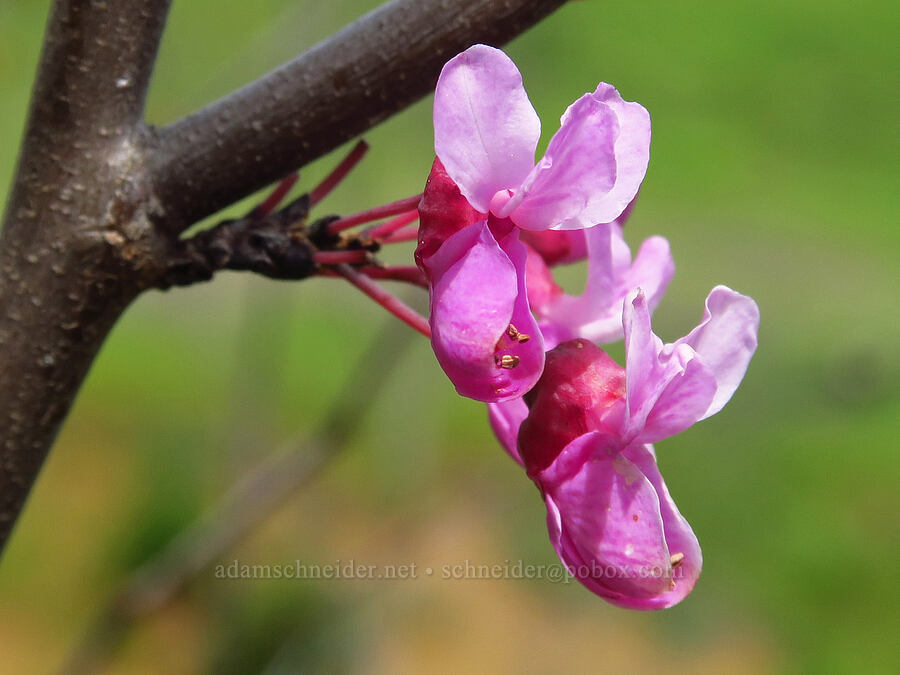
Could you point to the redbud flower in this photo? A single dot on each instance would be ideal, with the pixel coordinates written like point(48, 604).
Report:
point(484, 187)
point(482, 330)
point(486, 133)
point(586, 444)
point(596, 315)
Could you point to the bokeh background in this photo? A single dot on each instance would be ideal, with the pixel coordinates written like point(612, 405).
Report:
point(773, 170)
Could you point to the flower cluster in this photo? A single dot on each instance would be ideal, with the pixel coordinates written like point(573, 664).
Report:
point(493, 223)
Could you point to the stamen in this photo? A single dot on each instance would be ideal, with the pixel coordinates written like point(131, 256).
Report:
point(379, 212)
point(354, 257)
point(390, 302)
point(338, 174)
point(677, 559)
point(514, 334)
point(274, 199)
point(508, 361)
point(383, 230)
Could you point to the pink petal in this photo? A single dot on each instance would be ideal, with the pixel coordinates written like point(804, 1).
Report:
point(485, 129)
point(557, 247)
point(632, 148)
point(605, 522)
point(680, 538)
point(682, 400)
point(670, 387)
point(529, 352)
point(725, 340)
point(579, 165)
point(478, 290)
point(543, 291)
point(675, 390)
point(596, 315)
point(505, 419)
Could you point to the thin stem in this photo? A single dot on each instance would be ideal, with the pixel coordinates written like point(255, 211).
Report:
point(354, 257)
point(390, 302)
point(338, 174)
point(377, 213)
point(337, 90)
point(406, 273)
point(275, 197)
point(383, 230)
point(408, 234)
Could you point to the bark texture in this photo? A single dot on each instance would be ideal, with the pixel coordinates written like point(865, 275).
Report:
point(99, 198)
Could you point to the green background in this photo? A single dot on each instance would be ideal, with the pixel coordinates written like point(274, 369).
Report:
point(773, 170)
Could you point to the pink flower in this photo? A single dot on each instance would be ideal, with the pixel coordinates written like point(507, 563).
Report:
point(596, 315)
point(484, 187)
point(486, 133)
point(586, 443)
point(483, 332)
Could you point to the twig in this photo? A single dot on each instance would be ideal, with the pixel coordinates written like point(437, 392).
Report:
point(75, 237)
point(374, 67)
point(152, 586)
point(99, 198)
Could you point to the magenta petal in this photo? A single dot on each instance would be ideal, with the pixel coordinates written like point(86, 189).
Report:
point(651, 271)
point(664, 395)
point(725, 341)
point(683, 398)
point(485, 128)
point(596, 315)
point(680, 538)
point(530, 352)
point(505, 419)
point(605, 522)
point(669, 387)
point(579, 165)
point(473, 292)
point(632, 148)
point(478, 290)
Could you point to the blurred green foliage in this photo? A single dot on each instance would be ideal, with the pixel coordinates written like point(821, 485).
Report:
point(773, 170)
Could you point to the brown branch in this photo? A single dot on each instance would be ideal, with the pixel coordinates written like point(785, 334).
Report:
point(99, 198)
point(75, 226)
point(374, 67)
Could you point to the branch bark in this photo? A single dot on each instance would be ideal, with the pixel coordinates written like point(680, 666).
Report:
point(374, 67)
point(99, 198)
point(75, 225)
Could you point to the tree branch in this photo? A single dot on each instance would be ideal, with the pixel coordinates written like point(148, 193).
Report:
point(75, 225)
point(99, 199)
point(372, 68)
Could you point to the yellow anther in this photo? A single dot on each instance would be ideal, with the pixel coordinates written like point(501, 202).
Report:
point(508, 361)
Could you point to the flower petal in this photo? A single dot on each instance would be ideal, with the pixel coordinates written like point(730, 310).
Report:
point(725, 341)
point(477, 291)
point(605, 522)
point(505, 419)
point(632, 150)
point(680, 538)
point(579, 164)
point(675, 390)
point(670, 387)
point(485, 128)
point(596, 315)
